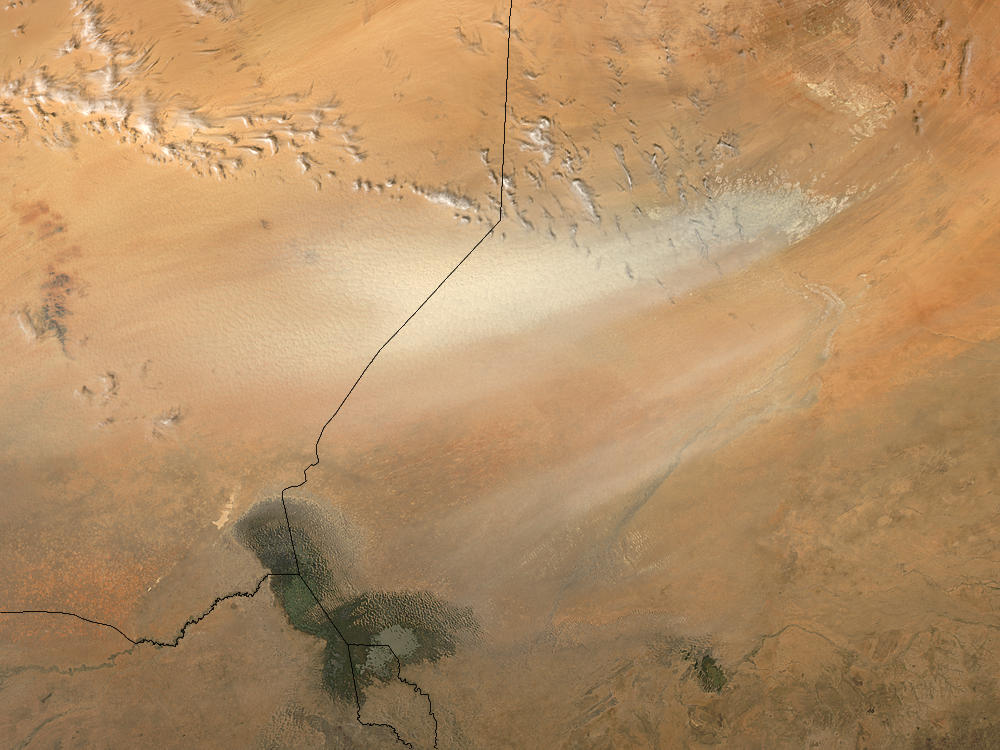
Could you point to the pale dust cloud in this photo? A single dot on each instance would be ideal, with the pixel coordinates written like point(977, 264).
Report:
point(694, 450)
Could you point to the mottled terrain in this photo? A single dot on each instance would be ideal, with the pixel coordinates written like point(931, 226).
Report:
point(696, 449)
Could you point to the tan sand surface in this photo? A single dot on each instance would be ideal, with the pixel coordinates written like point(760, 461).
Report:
point(696, 450)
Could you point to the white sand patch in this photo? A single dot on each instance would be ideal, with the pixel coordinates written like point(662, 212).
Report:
point(511, 285)
point(227, 509)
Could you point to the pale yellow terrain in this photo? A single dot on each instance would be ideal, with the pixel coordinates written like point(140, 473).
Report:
point(695, 450)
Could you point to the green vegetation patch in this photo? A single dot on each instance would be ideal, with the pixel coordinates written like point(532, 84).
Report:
point(416, 626)
point(710, 675)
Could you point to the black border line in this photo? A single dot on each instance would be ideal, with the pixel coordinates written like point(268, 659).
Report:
point(175, 642)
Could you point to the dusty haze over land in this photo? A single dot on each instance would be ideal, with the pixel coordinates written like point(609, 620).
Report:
point(696, 450)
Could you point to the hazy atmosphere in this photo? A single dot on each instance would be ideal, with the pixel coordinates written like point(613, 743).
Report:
point(693, 443)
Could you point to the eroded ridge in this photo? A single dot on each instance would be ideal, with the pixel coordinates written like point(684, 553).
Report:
point(87, 87)
point(297, 573)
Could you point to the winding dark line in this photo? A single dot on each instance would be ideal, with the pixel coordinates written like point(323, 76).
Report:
point(288, 525)
point(506, 89)
point(322, 431)
point(413, 685)
point(152, 641)
point(305, 478)
point(69, 614)
point(305, 471)
point(354, 678)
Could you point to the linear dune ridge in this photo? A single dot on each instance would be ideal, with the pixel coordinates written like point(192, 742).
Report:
point(693, 450)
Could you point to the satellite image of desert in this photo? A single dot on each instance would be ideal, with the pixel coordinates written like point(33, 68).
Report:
point(546, 374)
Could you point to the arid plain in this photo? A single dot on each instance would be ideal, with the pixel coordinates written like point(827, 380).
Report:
point(698, 449)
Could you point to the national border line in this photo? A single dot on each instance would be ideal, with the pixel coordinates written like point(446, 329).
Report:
point(152, 641)
point(175, 642)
